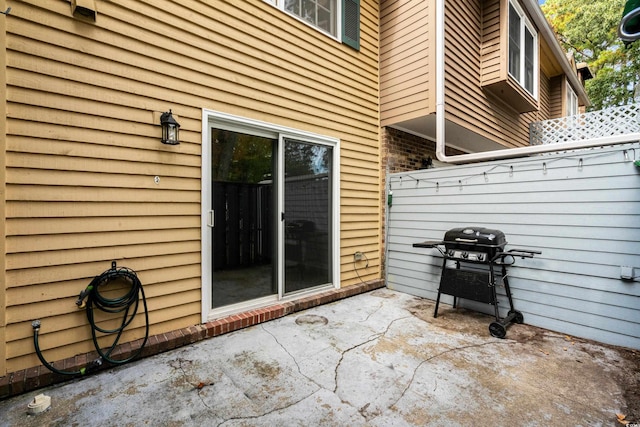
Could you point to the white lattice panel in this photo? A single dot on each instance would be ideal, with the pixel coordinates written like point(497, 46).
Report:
point(611, 121)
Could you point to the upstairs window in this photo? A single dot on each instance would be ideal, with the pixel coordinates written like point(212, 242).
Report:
point(321, 14)
point(338, 18)
point(523, 50)
point(572, 101)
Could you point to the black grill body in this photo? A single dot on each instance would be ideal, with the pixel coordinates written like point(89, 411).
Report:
point(474, 260)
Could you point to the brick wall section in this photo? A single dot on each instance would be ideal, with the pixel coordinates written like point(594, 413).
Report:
point(403, 152)
point(16, 383)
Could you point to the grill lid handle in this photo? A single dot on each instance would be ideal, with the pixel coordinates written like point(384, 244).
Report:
point(458, 239)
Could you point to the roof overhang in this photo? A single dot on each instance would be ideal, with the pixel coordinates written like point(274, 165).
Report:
point(540, 21)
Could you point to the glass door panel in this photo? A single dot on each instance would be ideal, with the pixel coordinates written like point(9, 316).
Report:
point(244, 231)
point(307, 215)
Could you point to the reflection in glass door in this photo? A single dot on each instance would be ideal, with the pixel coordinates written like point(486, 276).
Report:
point(307, 215)
point(244, 231)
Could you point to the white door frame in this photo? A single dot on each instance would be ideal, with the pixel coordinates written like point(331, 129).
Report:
point(211, 118)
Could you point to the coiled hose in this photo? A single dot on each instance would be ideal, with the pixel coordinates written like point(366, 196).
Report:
point(127, 304)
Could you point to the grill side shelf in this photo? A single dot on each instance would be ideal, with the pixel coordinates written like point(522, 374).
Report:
point(428, 244)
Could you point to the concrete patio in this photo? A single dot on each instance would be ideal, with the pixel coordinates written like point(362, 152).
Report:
point(375, 359)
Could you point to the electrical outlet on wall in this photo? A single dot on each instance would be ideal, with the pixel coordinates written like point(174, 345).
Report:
point(360, 256)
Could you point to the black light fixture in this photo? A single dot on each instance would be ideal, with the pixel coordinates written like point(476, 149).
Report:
point(170, 129)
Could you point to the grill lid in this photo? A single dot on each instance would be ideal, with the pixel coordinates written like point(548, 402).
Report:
point(474, 238)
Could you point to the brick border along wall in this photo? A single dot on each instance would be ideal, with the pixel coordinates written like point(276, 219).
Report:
point(16, 383)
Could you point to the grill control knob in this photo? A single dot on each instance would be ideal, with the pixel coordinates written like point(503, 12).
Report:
point(451, 252)
point(480, 257)
point(465, 255)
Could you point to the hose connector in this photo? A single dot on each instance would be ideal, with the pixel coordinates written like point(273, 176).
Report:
point(35, 325)
point(92, 367)
point(80, 302)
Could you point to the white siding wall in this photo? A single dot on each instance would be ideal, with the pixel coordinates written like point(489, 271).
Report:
point(581, 209)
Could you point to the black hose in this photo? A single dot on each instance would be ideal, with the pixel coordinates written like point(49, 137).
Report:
point(126, 304)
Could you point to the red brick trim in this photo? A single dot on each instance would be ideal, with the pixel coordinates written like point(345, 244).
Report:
point(15, 383)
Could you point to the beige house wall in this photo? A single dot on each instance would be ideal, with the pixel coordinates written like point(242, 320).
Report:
point(407, 68)
point(467, 103)
point(83, 147)
point(3, 204)
point(557, 98)
point(475, 56)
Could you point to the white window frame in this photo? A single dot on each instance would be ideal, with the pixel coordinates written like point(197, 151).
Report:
point(280, 4)
point(524, 24)
point(211, 118)
point(571, 100)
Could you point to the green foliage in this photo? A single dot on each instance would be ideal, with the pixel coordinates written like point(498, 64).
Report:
point(248, 159)
point(241, 158)
point(588, 30)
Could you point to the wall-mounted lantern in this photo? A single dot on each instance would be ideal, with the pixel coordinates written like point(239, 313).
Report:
point(170, 129)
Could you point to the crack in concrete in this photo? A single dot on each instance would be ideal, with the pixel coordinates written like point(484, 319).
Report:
point(292, 358)
point(373, 312)
point(374, 337)
point(343, 353)
point(188, 379)
point(371, 339)
point(280, 408)
point(413, 376)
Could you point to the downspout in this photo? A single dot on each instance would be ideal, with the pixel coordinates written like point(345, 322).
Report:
point(495, 154)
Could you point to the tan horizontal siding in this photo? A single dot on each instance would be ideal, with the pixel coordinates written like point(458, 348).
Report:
point(474, 55)
point(83, 149)
point(127, 249)
point(406, 72)
point(36, 226)
point(54, 344)
point(555, 101)
point(473, 47)
point(492, 46)
point(59, 273)
point(3, 144)
point(30, 209)
point(545, 98)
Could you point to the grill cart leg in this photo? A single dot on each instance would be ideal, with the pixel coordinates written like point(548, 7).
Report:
point(494, 296)
point(498, 328)
point(513, 315)
point(435, 313)
point(507, 289)
point(444, 265)
point(455, 297)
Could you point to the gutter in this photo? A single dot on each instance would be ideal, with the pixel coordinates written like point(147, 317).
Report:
point(507, 152)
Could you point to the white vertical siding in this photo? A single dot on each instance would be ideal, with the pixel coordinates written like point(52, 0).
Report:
point(581, 209)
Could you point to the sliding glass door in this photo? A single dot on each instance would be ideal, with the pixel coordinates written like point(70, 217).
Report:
point(307, 215)
point(269, 215)
point(244, 231)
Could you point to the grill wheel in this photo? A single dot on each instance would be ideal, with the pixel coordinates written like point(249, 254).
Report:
point(497, 330)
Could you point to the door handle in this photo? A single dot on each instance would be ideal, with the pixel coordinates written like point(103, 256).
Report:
point(210, 220)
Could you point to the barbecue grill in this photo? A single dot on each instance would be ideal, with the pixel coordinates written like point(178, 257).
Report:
point(474, 259)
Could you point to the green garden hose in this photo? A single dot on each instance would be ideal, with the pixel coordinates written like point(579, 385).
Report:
point(127, 304)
